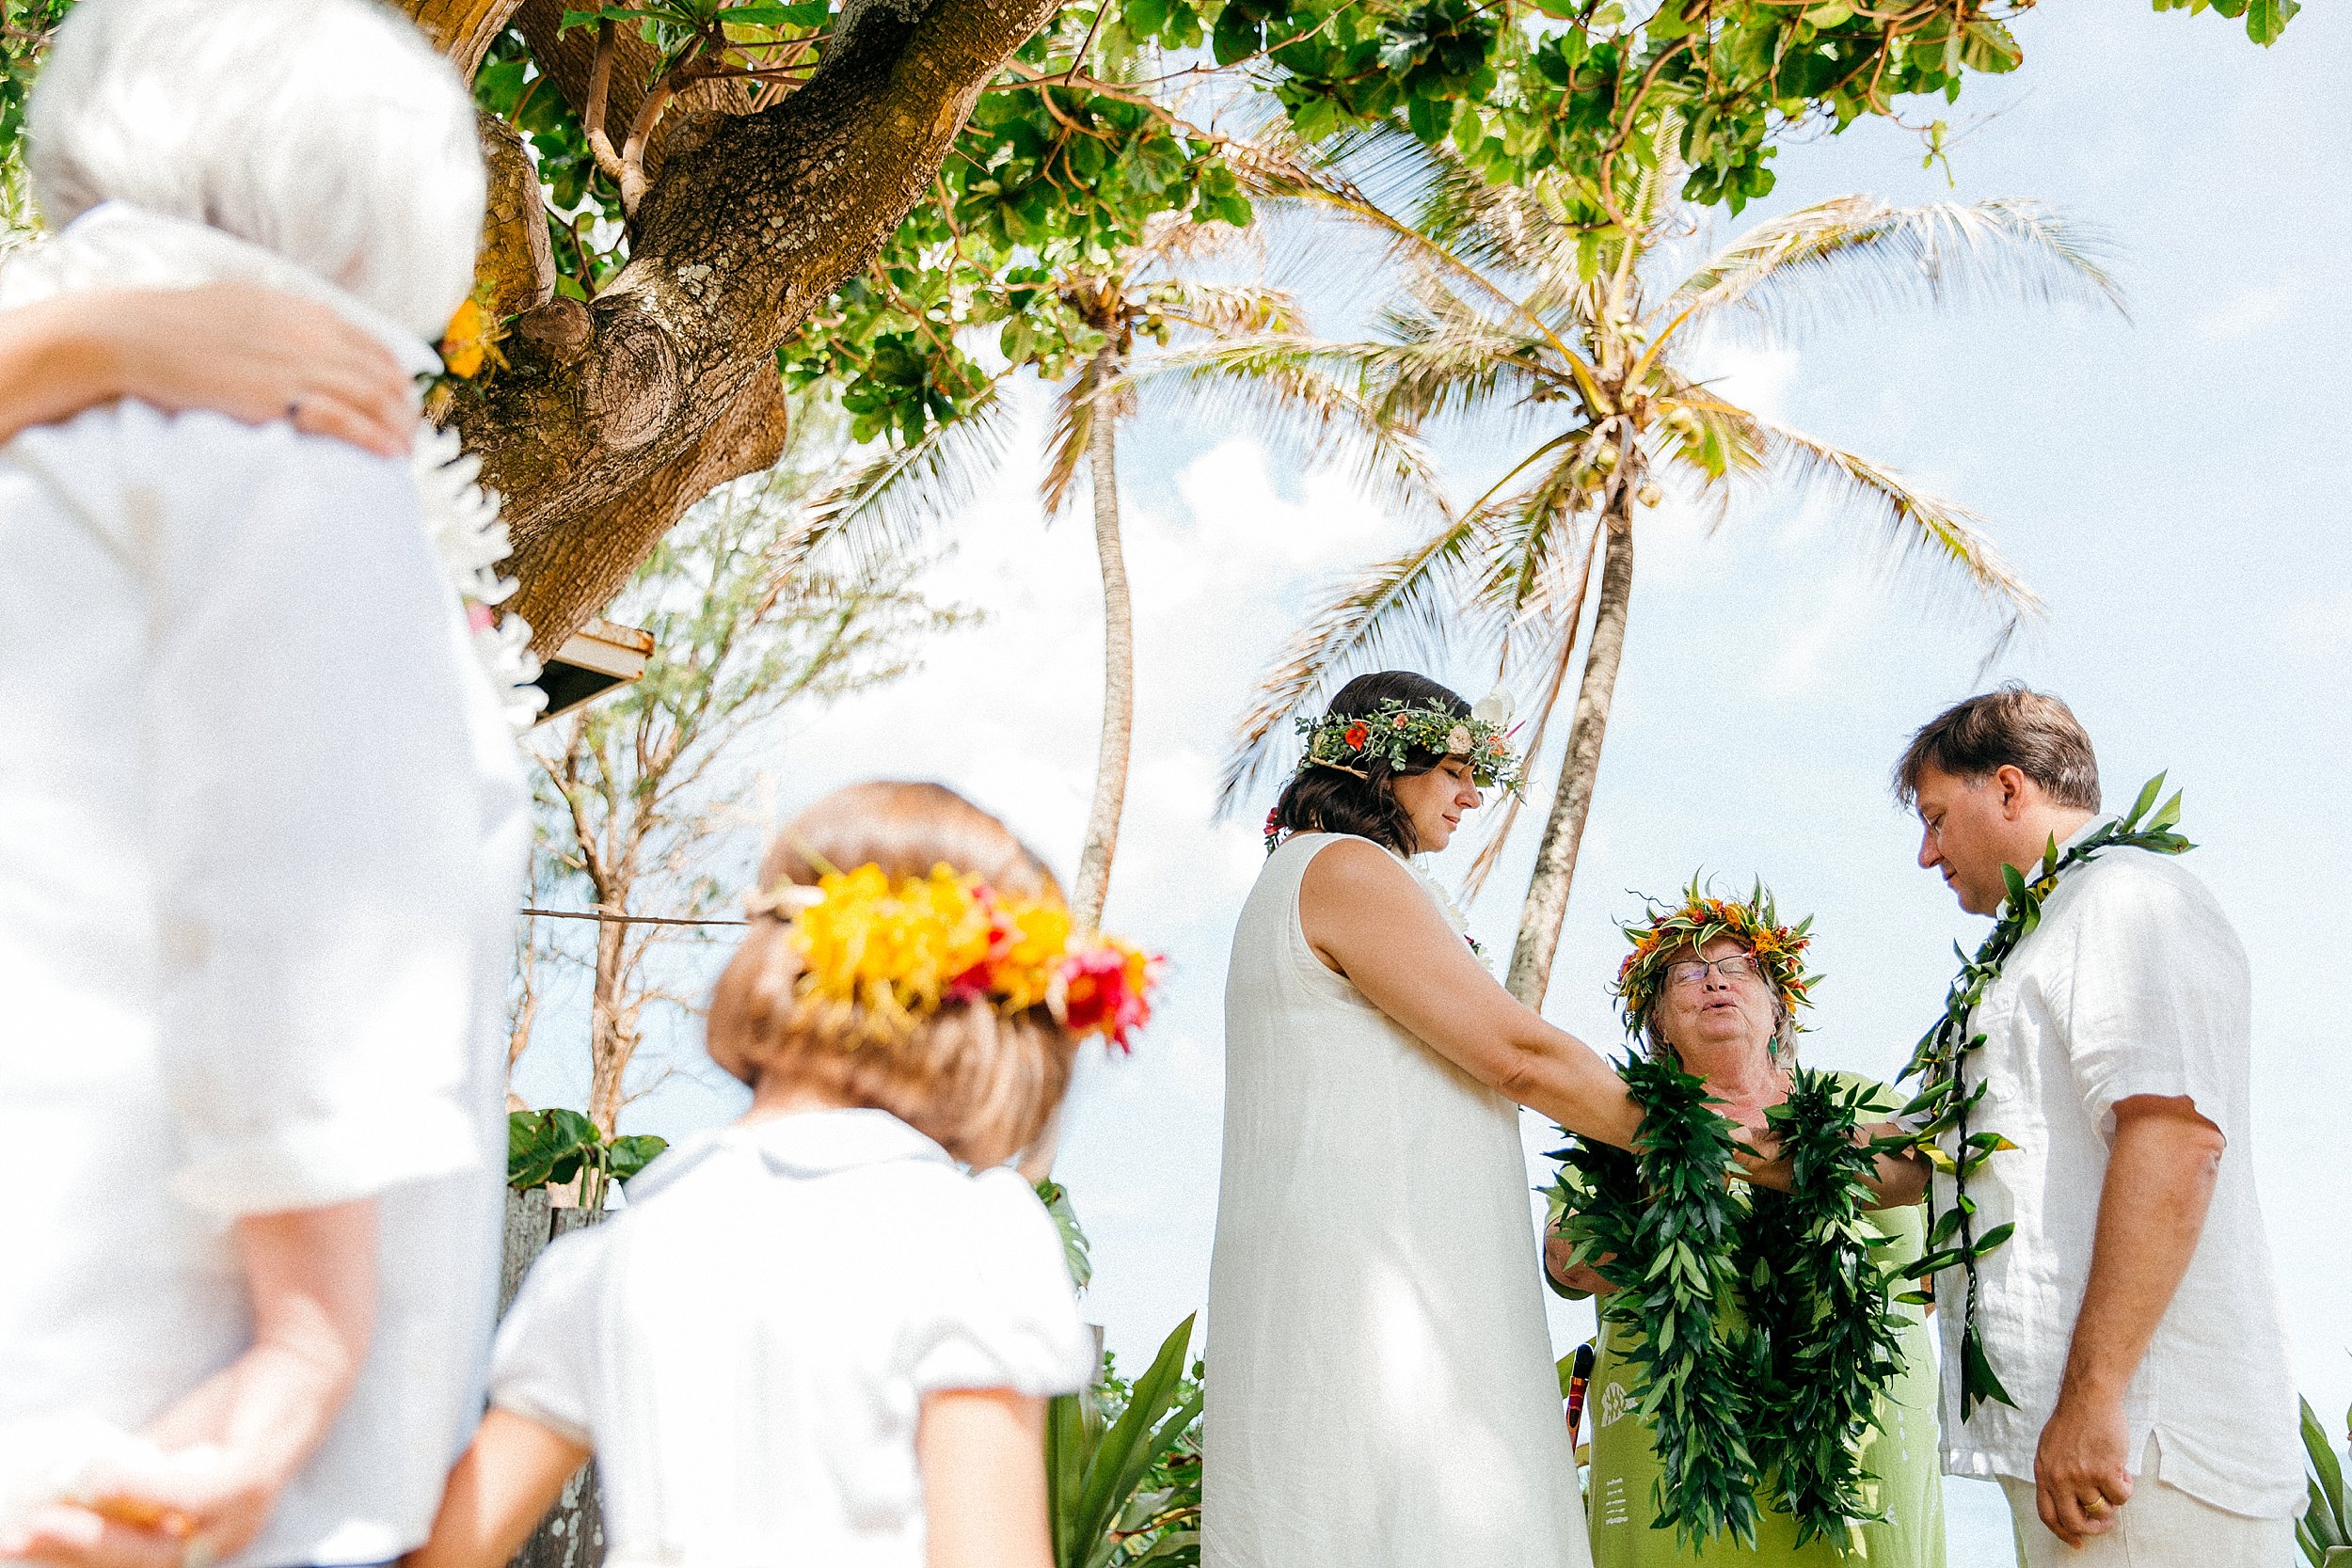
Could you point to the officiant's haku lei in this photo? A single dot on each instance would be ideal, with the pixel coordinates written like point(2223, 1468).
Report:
point(1668, 930)
point(1940, 1063)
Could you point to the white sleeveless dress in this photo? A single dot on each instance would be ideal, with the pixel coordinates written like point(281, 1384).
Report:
point(1381, 1390)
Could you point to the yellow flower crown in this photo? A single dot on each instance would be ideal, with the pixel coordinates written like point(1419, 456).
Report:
point(899, 954)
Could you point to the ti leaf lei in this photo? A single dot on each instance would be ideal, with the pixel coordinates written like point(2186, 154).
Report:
point(1778, 1405)
point(1940, 1062)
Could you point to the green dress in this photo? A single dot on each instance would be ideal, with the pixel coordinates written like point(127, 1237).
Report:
point(1901, 1452)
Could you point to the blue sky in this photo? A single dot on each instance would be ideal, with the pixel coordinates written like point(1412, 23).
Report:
point(2168, 483)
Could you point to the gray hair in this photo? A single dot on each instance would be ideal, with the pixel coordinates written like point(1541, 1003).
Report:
point(327, 132)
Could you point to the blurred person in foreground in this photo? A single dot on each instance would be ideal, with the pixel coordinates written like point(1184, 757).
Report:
point(262, 827)
point(2133, 1317)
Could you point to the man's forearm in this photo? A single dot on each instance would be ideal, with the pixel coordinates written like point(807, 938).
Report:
point(2152, 1209)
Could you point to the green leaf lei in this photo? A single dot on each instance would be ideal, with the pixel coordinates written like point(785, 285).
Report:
point(1817, 1298)
point(1778, 1407)
point(1940, 1061)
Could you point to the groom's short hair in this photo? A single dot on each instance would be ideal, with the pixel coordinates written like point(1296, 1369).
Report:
point(2014, 726)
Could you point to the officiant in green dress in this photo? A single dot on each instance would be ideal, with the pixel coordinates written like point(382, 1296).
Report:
point(1715, 990)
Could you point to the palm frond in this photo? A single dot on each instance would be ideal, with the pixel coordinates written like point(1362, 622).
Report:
point(1400, 243)
point(1531, 529)
point(1513, 229)
point(1399, 602)
point(1232, 310)
point(1719, 440)
point(890, 502)
point(1424, 367)
point(1172, 240)
point(1280, 387)
point(1067, 444)
point(1914, 521)
point(1824, 262)
point(1556, 677)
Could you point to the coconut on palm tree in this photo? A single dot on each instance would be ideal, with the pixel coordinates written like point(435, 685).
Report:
point(1513, 313)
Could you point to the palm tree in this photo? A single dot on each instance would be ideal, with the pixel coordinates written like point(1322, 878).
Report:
point(1511, 310)
point(1146, 292)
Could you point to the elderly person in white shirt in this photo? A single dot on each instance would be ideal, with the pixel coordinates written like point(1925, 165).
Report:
point(261, 827)
point(2134, 1315)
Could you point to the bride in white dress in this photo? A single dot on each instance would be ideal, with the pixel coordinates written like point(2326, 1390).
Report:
point(1385, 1394)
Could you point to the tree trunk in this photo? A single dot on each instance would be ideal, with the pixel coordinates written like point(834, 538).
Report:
point(1118, 655)
point(739, 238)
point(1547, 904)
point(611, 1041)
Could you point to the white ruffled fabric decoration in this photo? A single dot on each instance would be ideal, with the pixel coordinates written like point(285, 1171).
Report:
point(461, 518)
point(118, 246)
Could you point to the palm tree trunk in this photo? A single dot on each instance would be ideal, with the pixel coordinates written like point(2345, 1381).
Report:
point(1546, 903)
point(1118, 657)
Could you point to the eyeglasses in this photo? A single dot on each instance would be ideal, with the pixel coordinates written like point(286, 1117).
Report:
point(1733, 966)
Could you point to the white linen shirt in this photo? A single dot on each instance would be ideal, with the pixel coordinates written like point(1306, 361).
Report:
point(2133, 984)
point(747, 1346)
point(261, 831)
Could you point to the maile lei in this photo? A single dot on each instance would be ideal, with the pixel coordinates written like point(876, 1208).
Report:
point(1940, 1062)
point(1758, 1330)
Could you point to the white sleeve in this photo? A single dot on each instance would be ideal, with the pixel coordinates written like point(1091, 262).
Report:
point(543, 1366)
point(2158, 998)
point(1005, 1316)
point(314, 823)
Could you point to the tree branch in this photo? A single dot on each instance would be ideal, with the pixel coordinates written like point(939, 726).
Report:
point(738, 241)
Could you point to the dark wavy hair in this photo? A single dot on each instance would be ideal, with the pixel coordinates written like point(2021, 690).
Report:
point(1332, 800)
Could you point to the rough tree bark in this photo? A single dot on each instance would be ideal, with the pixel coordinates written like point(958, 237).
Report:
point(1564, 829)
point(1118, 654)
point(598, 438)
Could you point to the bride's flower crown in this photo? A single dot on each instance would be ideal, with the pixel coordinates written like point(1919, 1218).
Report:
point(1393, 731)
point(898, 954)
point(1671, 931)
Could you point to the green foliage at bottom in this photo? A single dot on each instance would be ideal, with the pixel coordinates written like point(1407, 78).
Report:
point(2324, 1531)
point(1122, 1467)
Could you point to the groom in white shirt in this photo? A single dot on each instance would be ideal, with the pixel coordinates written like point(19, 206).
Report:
point(2133, 1315)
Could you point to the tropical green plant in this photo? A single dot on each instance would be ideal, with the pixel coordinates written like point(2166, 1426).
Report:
point(1579, 340)
point(1122, 1467)
point(2324, 1531)
point(551, 1149)
point(1075, 1250)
